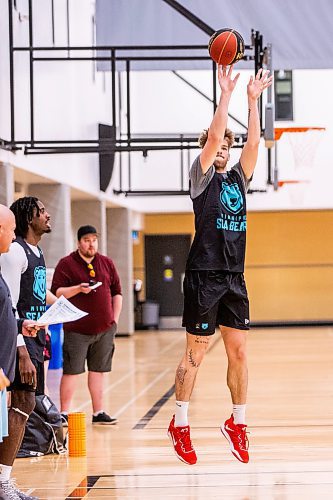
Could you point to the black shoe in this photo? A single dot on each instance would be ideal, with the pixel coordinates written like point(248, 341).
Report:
point(104, 419)
point(64, 419)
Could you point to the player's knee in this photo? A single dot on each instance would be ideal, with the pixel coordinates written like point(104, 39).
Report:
point(194, 356)
point(24, 401)
point(238, 354)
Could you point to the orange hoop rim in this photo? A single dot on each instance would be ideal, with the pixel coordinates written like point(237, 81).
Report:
point(293, 181)
point(280, 130)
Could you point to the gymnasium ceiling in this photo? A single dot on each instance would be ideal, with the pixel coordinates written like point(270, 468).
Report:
point(300, 31)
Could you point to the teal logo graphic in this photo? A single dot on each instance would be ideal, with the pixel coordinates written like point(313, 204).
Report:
point(39, 286)
point(231, 197)
point(204, 326)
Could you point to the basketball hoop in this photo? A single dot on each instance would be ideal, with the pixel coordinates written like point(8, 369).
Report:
point(295, 189)
point(289, 181)
point(304, 142)
point(299, 146)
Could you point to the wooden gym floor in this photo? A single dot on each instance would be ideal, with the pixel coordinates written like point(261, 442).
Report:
point(290, 417)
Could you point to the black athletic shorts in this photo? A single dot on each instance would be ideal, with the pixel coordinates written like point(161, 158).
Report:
point(213, 298)
point(18, 385)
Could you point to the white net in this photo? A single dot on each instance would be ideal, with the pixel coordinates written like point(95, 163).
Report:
point(304, 145)
point(297, 156)
point(297, 192)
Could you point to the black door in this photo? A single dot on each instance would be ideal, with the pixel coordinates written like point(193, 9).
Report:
point(165, 257)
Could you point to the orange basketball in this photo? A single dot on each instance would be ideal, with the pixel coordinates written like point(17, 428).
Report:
point(226, 46)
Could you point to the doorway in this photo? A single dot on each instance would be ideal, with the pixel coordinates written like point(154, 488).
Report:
point(165, 260)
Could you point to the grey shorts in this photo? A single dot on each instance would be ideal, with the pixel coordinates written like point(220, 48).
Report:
point(97, 349)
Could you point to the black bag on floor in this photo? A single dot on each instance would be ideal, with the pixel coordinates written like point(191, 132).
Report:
point(44, 432)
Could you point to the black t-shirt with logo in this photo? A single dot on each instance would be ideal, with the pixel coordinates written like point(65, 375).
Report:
point(32, 300)
point(219, 206)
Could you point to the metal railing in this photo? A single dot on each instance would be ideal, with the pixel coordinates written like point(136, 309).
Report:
point(124, 142)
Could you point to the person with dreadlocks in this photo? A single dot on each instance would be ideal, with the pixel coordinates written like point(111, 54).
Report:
point(24, 271)
point(9, 327)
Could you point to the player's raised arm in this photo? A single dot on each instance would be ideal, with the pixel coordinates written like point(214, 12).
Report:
point(255, 88)
point(219, 123)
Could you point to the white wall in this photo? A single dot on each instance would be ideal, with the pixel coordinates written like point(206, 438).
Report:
point(70, 98)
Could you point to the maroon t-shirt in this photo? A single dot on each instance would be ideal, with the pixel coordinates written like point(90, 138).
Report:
point(72, 270)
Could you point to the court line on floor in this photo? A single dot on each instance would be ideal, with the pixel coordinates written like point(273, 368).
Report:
point(108, 389)
point(170, 346)
point(164, 399)
point(153, 382)
point(115, 384)
point(156, 407)
point(84, 487)
point(89, 483)
point(112, 386)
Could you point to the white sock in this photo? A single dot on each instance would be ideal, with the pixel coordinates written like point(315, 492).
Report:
point(5, 471)
point(181, 419)
point(238, 412)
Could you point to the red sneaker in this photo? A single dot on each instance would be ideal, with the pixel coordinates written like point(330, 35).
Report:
point(238, 441)
point(181, 440)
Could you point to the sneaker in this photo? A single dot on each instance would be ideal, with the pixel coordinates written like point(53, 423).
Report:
point(9, 491)
point(181, 440)
point(238, 441)
point(23, 496)
point(104, 419)
point(64, 419)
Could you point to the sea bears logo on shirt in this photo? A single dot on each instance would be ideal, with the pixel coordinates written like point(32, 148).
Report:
point(39, 286)
point(231, 197)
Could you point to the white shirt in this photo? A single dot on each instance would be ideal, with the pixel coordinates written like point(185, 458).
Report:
point(13, 264)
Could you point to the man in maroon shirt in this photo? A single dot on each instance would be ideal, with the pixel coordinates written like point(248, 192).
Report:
point(91, 338)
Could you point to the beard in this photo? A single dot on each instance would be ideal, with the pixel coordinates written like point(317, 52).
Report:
point(220, 163)
point(89, 253)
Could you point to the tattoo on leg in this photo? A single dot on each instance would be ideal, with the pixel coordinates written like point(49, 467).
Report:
point(191, 359)
point(181, 372)
point(201, 340)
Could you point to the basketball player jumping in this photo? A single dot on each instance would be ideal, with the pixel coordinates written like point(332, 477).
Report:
point(214, 286)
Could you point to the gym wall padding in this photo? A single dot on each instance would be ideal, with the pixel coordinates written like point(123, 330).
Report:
point(289, 265)
point(289, 262)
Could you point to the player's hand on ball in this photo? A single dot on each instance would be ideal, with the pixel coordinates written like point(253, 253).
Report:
point(227, 84)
